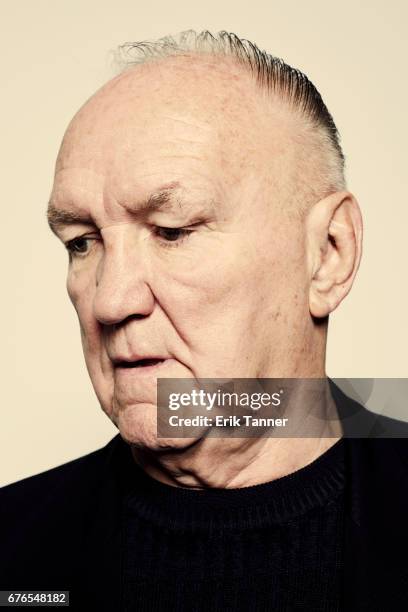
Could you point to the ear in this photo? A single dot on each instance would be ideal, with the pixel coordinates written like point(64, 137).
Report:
point(334, 244)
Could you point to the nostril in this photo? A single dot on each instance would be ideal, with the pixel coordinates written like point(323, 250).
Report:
point(127, 320)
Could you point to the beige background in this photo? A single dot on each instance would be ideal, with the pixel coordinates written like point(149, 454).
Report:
point(54, 55)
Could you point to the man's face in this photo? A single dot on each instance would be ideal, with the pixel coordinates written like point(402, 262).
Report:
point(186, 263)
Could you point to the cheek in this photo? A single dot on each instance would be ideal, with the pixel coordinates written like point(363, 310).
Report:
point(198, 289)
point(81, 294)
point(75, 286)
point(215, 299)
point(81, 290)
point(223, 276)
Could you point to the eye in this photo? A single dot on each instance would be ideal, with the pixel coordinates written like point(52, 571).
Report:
point(172, 234)
point(78, 246)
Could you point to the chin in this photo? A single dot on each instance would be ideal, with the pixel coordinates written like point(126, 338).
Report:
point(138, 427)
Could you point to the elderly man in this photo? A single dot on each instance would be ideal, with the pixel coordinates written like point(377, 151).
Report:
point(201, 197)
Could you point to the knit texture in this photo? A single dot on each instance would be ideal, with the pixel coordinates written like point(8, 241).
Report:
point(274, 546)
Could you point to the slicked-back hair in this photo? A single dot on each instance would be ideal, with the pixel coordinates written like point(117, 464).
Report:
point(271, 73)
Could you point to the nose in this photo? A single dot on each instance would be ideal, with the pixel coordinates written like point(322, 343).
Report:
point(122, 288)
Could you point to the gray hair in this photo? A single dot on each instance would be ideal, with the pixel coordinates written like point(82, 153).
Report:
point(271, 73)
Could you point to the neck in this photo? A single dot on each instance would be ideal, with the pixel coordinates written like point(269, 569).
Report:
point(241, 462)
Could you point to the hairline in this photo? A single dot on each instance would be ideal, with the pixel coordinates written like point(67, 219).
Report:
point(320, 134)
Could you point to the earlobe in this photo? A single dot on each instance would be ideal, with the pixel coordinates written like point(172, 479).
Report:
point(334, 233)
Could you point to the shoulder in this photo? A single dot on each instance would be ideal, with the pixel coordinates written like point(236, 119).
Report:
point(392, 428)
point(358, 422)
point(44, 519)
point(62, 480)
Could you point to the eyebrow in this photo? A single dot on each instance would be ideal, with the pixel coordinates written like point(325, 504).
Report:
point(161, 200)
point(59, 217)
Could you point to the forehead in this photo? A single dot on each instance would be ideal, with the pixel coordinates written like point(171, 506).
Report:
point(200, 122)
point(204, 95)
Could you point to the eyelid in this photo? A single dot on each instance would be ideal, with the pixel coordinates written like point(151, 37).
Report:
point(184, 230)
point(71, 241)
point(181, 227)
point(91, 235)
point(184, 234)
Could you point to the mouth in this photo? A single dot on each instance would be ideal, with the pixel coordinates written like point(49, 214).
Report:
point(139, 368)
point(140, 363)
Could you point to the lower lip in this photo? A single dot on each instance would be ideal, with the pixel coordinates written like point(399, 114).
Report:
point(148, 370)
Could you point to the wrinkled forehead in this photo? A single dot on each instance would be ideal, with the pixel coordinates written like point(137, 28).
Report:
point(203, 124)
point(187, 103)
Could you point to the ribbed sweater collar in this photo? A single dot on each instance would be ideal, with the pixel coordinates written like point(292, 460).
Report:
point(277, 501)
